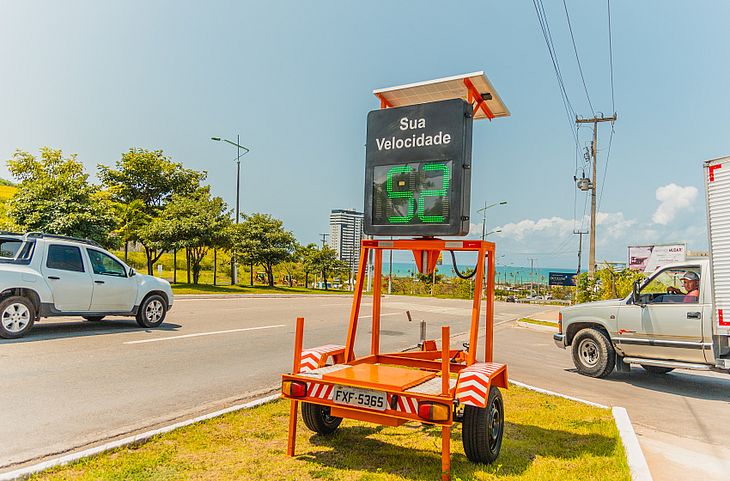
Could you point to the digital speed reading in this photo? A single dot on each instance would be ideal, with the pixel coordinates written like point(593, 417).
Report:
point(412, 193)
point(418, 170)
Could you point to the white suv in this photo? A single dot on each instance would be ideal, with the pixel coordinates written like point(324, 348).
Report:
point(44, 275)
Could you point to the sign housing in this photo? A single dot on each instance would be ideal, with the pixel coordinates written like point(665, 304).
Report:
point(418, 170)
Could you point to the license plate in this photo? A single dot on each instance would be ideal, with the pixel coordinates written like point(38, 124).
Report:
point(364, 398)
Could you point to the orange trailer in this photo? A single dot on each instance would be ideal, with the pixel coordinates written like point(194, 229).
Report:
point(438, 386)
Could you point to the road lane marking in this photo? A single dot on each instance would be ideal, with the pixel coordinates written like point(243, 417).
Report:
point(383, 315)
point(203, 334)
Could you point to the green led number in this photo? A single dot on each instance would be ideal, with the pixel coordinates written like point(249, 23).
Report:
point(442, 192)
point(406, 194)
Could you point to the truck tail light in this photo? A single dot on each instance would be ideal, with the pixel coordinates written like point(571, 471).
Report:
point(434, 411)
point(294, 388)
point(560, 322)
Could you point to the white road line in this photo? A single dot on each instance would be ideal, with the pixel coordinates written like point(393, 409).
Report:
point(383, 315)
point(203, 334)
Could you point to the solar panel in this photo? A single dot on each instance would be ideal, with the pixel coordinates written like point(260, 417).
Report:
point(444, 89)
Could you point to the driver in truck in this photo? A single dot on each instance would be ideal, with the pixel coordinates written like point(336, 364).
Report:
point(691, 282)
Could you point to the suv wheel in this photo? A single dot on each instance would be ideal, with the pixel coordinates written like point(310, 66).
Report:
point(17, 315)
point(593, 354)
point(152, 311)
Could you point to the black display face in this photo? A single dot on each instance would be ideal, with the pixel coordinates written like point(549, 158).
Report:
point(413, 193)
point(417, 174)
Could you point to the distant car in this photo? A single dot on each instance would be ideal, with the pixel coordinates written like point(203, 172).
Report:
point(51, 275)
point(511, 299)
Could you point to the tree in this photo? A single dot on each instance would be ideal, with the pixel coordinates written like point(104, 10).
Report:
point(325, 261)
point(263, 240)
point(196, 222)
point(305, 256)
point(149, 177)
point(55, 196)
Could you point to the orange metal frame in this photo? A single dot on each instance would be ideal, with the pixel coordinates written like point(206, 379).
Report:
point(473, 97)
point(444, 361)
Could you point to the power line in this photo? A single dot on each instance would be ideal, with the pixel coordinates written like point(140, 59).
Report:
point(577, 59)
point(545, 27)
point(610, 54)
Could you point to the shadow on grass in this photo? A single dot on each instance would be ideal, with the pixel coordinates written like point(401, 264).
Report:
point(411, 457)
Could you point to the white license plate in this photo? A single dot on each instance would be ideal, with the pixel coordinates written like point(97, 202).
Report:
point(364, 398)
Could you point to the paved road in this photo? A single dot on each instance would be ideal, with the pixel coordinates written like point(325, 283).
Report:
point(73, 383)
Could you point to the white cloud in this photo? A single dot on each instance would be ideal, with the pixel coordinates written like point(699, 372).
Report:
point(673, 198)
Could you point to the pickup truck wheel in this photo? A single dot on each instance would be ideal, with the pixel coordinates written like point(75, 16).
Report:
point(152, 311)
point(318, 419)
point(593, 354)
point(94, 318)
point(482, 429)
point(17, 315)
point(657, 369)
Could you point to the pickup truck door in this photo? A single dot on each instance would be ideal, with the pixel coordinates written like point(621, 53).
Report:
point(114, 290)
point(68, 278)
point(663, 325)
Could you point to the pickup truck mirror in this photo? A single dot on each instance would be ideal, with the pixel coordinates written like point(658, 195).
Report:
point(132, 272)
point(635, 296)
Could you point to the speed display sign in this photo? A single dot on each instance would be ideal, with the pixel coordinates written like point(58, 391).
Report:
point(418, 169)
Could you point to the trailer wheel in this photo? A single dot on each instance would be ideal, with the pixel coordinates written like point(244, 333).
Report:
point(593, 354)
point(483, 428)
point(657, 369)
point(318, 419)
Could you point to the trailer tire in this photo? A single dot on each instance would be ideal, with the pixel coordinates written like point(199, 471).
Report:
point(657, 369)
point(482, 429)
point(593, 354)
point(318, 419)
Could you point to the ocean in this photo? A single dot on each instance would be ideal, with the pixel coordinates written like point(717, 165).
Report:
point(505, 274)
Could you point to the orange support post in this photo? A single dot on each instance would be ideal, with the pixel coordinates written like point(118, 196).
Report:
point(489, 339)
point(377, 284)
point(476, 306)
point(445, 359)
point(355, 311)
point(445, 453)
point(294, 408)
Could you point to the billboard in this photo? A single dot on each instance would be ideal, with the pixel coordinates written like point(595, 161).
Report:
point(652, 257)
point(562, 279)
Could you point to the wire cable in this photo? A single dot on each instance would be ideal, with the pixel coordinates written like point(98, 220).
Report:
point(577, 58)
point(456, 268)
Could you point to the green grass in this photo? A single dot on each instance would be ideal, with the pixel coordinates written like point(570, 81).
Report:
point(538, 322)
point(546, 438)
point(209, 289)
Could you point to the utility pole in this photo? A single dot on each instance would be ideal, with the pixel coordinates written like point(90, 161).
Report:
point(594, 151)
point(532, 287)
point(580, 247)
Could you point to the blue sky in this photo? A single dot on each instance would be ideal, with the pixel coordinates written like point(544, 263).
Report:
point(295, 79)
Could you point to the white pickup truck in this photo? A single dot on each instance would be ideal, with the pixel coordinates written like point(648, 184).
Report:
point(43, 275)
point(677, 318)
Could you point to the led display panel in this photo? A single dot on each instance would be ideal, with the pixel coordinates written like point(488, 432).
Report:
point(418, 166)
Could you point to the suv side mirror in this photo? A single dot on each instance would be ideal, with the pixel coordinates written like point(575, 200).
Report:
point(132, 272)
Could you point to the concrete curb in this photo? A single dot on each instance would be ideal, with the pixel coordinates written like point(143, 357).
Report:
point(537, 327)
point(634, 455)
point(255, 296)
point(23, 473)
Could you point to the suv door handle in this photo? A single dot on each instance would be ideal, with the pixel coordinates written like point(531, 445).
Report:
point(694, 315)
point(98, 282)
point(54, 278)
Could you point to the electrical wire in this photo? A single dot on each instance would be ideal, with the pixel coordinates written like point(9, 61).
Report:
point(456, 268)
point(577, 58)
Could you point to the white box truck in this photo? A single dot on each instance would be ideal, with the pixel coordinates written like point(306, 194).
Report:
point(677, 318)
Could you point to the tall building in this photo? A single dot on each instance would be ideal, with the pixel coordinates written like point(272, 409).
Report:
point(346, 234)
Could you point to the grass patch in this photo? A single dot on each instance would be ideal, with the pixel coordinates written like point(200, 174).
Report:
point(539, 323)
point(209, 289)
point(546, 438)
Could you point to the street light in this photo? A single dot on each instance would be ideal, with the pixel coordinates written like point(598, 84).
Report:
point(237, 144)
point(493, 232)
point(483, 211)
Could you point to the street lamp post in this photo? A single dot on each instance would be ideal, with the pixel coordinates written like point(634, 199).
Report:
point(237, 144)
point(483, 211)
